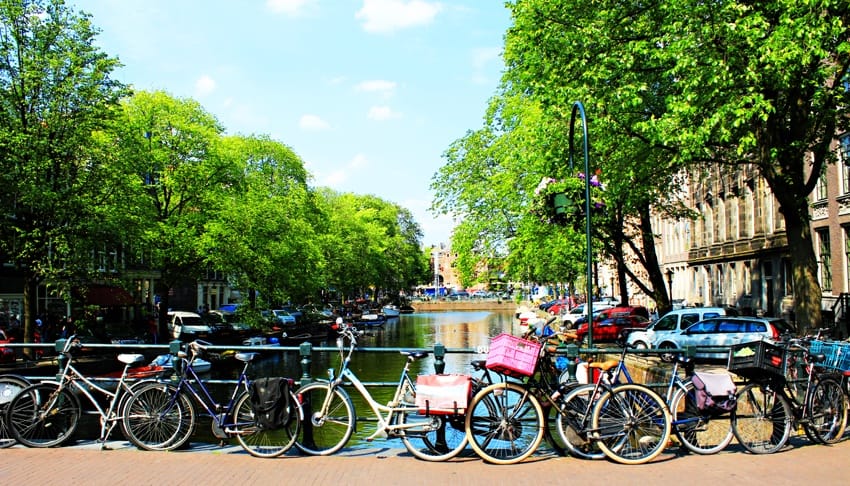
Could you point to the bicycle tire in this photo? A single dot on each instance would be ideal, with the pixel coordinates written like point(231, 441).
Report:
point(761, 420)
point(323, 434)
point(514, 432)
point(260, 442)
point(633, 424)
point(43, 415)
point(159, 417)
point(826, 412)
point(698, 431)
point(574, 424)
point(432, 437)
point(10, 386)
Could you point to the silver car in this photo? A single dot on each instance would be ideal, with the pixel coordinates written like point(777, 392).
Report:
point(723, 332)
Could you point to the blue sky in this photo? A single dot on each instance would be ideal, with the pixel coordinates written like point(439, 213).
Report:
point(369, 93)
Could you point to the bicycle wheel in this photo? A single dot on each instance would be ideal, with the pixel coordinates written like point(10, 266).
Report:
point(159, 418)
point(325, 429)
point(10, 386)
point(699, 431)
point(513, 432)
point(574, 424)
point(633, 424)
point(260, 442)
point(43, 415)
point(761, 420)
point(433, 437)
point(826, 415)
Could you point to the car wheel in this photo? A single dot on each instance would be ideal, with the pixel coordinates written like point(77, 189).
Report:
point(667, 346)
point(640, 345)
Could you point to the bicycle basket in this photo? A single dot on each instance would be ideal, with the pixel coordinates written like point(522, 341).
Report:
point(837, 354)
point(758, 360)
point(512, 356)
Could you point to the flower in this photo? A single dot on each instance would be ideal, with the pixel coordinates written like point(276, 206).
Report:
point(561, 201)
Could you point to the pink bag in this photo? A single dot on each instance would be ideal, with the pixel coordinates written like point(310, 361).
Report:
point(443, 394)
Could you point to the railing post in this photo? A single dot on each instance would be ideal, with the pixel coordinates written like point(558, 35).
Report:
point(306, 352)
point(439, 362)
point(572, 357)
point(690, 351)
point(61, 358)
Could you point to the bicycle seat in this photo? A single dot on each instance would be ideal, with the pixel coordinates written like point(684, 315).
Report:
point(604, 365)
point(246, 357)
point(131, 358)
point(478, 364)
point(415, 354)
point(817, 358)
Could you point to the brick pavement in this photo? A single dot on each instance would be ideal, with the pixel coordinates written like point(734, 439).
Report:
point(85, 463)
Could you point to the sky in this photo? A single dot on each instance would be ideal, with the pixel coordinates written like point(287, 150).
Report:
point(369, 93)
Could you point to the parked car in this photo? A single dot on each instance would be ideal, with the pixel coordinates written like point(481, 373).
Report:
point(724, 332)
point(545, 306)
point(7, 355)
point(675, 321)
point(609, 329)
point(188, 326)
point(580, 311)
point(605, 312)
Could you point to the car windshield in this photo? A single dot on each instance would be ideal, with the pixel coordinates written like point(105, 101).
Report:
point(192, 321)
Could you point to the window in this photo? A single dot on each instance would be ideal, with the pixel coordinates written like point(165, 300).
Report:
point(726, 326)
point(689, 319)
point(666, 323)
point(845, 166)
point(821, 188)
point(825, 260)
point(847, 256)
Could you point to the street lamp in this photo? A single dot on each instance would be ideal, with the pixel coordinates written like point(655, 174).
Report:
point(670, 285)
point(578, 108)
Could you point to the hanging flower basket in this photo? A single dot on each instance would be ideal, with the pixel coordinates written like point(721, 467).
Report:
point(562, 202)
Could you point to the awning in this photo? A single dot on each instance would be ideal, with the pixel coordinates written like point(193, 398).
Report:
point(107, 296)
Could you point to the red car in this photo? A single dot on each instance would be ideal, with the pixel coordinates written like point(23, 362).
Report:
point(7, 355)
point(608, 330)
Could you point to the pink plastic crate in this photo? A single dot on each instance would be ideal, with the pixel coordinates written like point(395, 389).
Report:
point(512, 356)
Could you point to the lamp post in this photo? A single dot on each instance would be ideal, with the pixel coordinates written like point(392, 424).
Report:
point(670, 285)
point(578, 109)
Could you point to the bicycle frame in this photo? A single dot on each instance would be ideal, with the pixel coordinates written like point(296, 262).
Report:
point(384, 414)
point(190, 383)
point(70, 377)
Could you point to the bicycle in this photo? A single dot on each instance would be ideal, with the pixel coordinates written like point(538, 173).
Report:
point(768, 408)
point(10, 386)
point(46, 414)
point(328, 427)
point(162, 416)
point(509, 429)
point(627, 422)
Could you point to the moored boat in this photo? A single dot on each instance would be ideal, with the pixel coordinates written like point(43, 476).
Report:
point(391, 310)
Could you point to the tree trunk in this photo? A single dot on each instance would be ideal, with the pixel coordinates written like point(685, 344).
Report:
point(804, 266)
point(28, 315)
point(656, 277)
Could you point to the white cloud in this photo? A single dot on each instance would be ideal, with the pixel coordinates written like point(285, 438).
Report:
point(335, 179)
point(358, 162)
point(204, 86)
point(382, 113)
point(288, 7)
point(313, 122)
point(377, 85)
point(386, 16)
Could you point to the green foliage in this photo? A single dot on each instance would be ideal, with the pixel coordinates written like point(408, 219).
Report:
point(56, 93)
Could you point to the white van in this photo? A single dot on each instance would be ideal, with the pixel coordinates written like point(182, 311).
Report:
point(675, 321)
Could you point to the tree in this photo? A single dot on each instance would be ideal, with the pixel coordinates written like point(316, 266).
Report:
point(56, 92)
point(730, 83)
point(264, 233)
point(176, 180)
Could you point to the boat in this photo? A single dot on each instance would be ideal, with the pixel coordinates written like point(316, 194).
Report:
point(372, 319)
point(200, 365)
point(406, 309)
point(391, 310)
